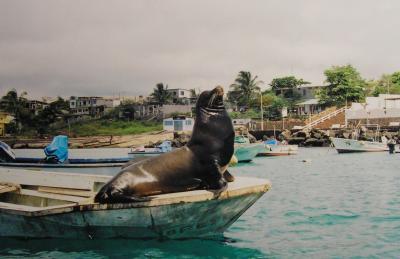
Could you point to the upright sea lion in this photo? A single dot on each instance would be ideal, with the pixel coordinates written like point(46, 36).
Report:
point(198, 165)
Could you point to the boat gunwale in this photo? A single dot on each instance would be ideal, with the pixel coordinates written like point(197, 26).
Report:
point(42, 165)
point(195, 196)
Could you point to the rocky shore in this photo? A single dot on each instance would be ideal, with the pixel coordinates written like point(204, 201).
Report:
point(320, 138)
point(307, 138)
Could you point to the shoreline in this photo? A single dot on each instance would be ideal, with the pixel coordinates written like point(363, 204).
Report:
point(123, 141)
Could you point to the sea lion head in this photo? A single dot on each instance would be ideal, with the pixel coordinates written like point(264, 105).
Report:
point(211, 101)
point(213, 132)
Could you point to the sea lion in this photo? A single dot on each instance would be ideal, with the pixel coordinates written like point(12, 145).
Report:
point(201, 164)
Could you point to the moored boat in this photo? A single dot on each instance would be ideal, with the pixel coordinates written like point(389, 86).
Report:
point(56, 156)
point(279, 150)
point(165, 147)
point(246, 151)
point(343, 145)
point(60, 205)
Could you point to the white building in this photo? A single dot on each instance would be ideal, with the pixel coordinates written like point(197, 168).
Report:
point(309, 107)
point(310, 104)
point(180, 95)
point(178, 124)
point(91, 106)
point(307, 91)
point(382, 109)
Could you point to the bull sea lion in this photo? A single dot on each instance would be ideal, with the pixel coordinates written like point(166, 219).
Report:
point(201, 164)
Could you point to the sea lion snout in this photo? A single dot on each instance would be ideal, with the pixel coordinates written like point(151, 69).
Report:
point(219, 90)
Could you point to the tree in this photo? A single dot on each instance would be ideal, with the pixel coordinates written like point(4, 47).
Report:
point(161, 94)
point(17, 106)
point(387, 84)
point(55, 111)
point(284, 86)
point(274, 105)
point(128, 109)
point(245, 87)
point(344, 84)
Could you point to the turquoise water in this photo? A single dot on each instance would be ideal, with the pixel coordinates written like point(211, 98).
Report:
point(330, 206)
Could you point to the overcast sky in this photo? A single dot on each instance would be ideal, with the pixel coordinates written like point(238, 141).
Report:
point(65, 48)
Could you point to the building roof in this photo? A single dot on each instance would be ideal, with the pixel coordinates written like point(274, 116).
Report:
point(174, 89)
point(309, 102)
point(310, 86)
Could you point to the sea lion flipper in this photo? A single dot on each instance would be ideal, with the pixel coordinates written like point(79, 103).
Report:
point(113, 195)
point(188, 183)
point(228, 176)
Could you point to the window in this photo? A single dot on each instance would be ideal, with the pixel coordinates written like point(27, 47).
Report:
point(182, 93)
point(168, 123)
point(188, 122)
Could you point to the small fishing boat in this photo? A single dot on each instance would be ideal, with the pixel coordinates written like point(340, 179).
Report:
point(60, 205)
point(343, 145)
point(275, 148)
point(56, 156)
point(165, 147)
point(246, 151)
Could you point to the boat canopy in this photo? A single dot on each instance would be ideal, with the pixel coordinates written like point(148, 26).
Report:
point(57, 150)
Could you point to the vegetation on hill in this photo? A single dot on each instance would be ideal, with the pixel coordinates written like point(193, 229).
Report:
point(116, 128)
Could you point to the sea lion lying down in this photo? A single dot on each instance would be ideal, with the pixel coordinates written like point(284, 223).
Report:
point(201, 164)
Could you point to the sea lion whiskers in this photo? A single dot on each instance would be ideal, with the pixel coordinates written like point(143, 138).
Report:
point(211, 101)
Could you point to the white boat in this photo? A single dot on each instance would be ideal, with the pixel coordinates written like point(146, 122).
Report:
point(279, 150)
point(60, 205)
point(164, 147)
point(343, 145)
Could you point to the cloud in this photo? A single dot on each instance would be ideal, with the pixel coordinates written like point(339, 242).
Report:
point(103, 48)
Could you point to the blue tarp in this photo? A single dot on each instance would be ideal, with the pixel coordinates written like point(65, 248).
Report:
point(166, 146)
point(271, 142)
point(57, 151)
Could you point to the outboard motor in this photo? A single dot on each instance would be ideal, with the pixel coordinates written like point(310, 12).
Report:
point(391, 144)
point(57, 151)
point(6, 153)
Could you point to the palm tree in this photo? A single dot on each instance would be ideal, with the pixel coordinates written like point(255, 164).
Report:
point(246, 86)
point(161, 94)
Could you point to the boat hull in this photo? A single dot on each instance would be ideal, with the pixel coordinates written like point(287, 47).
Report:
point(351, 146)
point(247, 152)
point(61, 206)
point(279, 150)
point(170, 221)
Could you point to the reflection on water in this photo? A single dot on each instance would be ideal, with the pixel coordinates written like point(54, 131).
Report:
point(125, 248)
